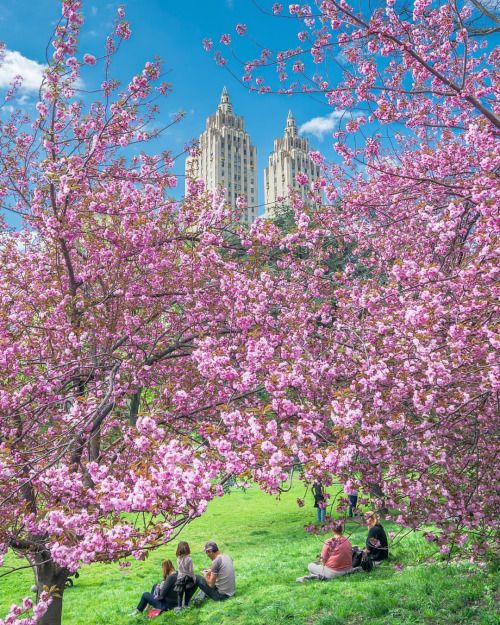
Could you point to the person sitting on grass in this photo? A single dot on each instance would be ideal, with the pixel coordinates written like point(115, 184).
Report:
point(186, 579)
point(336, 556)
point(377, 545)
point(218, 582)
point(162, 596)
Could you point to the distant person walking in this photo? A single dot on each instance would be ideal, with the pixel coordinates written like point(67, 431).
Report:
point(352, 495)
point(319, 501)
point(218, 582)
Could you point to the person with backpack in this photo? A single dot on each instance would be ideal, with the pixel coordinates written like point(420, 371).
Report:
point(186, 579)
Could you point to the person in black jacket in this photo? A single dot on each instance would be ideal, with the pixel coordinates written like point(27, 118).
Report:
point(377, 546)
point(162, 596)
point(318, 491)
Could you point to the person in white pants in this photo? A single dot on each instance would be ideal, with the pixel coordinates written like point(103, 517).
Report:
point(336, 556)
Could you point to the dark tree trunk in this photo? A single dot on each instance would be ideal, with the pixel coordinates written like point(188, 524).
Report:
point(50, 576)
point(376, 489)
point(134, 407)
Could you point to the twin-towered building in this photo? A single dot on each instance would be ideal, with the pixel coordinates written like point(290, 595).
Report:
point(226, 158)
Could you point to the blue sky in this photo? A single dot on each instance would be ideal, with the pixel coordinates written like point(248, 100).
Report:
point(172, 30)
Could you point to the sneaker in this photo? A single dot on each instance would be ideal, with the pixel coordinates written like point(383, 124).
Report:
point(178, 609)
point(199, 598)
point(306, 578)
point(134, 613)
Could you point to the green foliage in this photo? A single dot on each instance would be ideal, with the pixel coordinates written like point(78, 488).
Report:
point(270, 548)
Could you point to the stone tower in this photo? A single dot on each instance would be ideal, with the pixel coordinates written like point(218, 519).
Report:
point(290, 156)
point(226, 158)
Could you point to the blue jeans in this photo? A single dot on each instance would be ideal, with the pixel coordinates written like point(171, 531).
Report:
point(209, 591)
point(321, 514)
point(148, 597)
point(159, 604)
point(353, 502)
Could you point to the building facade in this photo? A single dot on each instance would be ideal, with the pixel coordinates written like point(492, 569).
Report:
point(226, 158)
point(290, 156)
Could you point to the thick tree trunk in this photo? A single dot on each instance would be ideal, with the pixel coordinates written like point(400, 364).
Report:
point(50, 576)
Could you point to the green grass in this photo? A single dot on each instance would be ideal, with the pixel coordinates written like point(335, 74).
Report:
point(266, 539)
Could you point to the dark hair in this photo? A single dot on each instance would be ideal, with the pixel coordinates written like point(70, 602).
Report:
point(211, 547)
point(338, 527)
point(183, 549)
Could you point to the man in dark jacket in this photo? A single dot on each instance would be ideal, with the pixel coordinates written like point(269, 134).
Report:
point(319, 501)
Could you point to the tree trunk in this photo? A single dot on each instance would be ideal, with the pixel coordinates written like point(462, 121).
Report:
point(134, 407)
point(50, 576)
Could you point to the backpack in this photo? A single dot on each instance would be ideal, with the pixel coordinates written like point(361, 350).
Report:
point(367, 563)
point(183, 583)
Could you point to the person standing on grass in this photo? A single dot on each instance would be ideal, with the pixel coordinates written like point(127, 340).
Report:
point(352, 495)
point(319, 501)
point(186, 579)
point(217, 582)
point(162, 596)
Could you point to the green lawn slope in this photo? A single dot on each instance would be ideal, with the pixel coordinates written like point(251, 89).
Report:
point(270, 548)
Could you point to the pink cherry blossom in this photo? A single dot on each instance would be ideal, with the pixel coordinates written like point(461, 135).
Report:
point(89, 59)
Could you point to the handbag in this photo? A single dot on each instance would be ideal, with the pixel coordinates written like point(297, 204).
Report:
point(153, 613)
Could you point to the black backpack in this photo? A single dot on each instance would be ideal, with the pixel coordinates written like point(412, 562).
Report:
point(367, 563)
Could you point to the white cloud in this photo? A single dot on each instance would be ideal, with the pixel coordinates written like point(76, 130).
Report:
point(320, 126)
point(15, 64)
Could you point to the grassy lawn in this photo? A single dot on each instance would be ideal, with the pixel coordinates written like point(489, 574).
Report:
point(270, 548)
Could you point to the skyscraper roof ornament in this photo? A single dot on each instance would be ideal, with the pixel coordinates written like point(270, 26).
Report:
point(225, 103)
point(290, 127)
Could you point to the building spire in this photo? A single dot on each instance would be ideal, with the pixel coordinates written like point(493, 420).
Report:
point(225, 103)
point(290, 128)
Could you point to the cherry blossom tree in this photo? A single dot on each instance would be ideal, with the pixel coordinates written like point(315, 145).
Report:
point(105, 293)
point(390, 377)
point(151, 349)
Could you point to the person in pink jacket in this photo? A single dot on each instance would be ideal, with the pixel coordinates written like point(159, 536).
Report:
point(336, 555)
